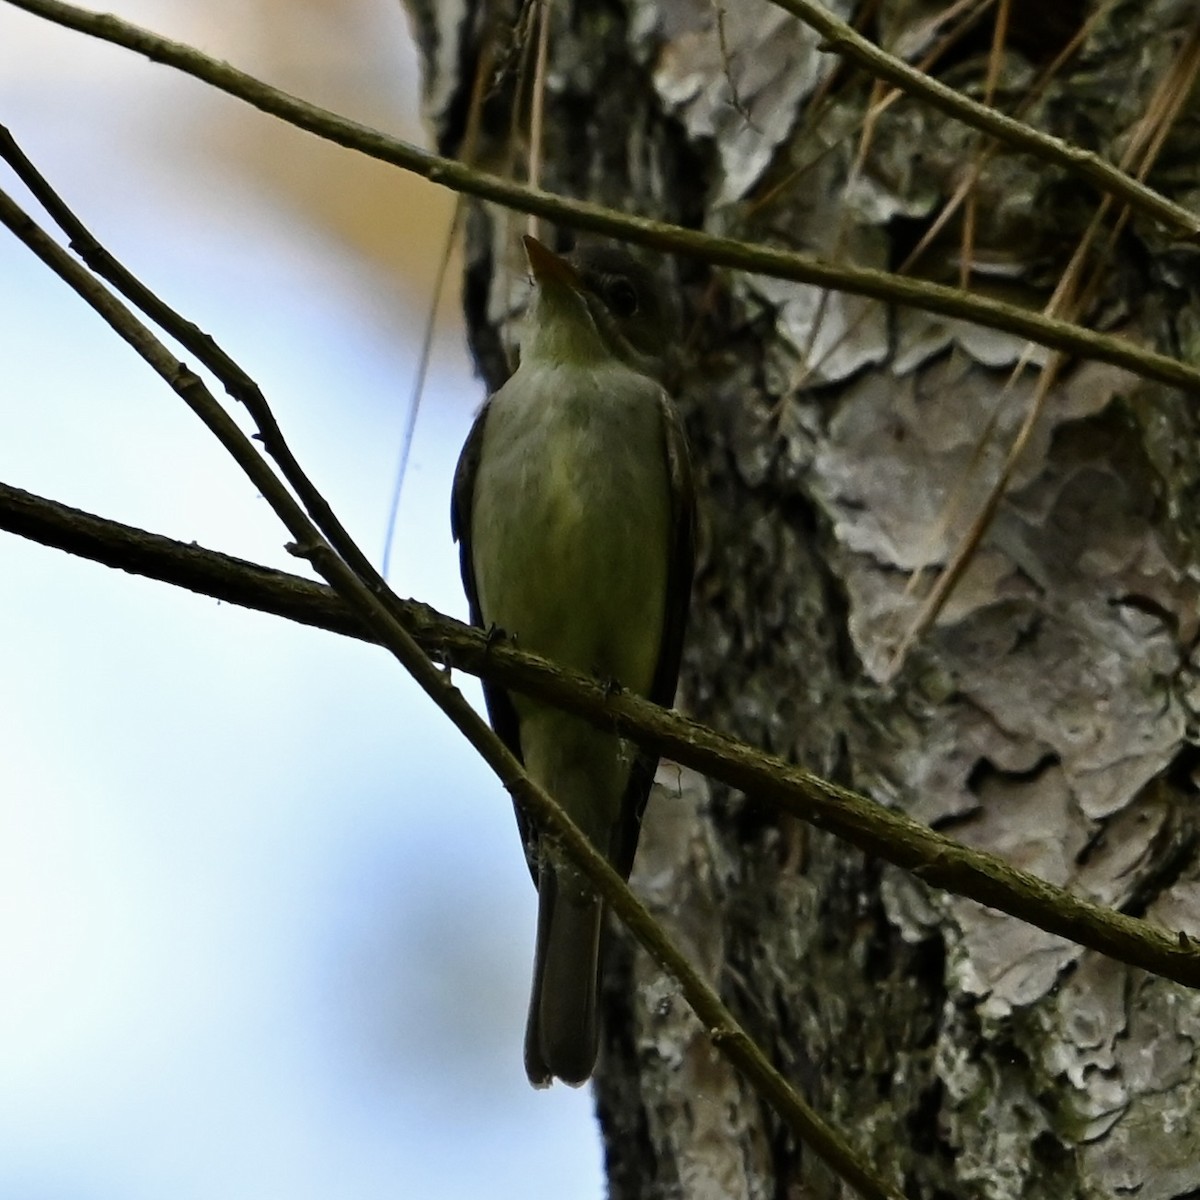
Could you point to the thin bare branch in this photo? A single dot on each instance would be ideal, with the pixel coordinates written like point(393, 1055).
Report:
point(1070, 299)
point(235, 381)
point(936, 859)
point(844, 40)
point(594, 218)
point(537, 108)
point(375, 605)
point(483, 73)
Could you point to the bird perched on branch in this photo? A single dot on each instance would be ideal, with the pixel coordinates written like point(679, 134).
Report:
point(574, 509)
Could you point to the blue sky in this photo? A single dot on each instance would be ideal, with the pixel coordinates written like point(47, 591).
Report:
point(265, 927)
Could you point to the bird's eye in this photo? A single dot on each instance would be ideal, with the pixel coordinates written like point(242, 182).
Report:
point(621, 297)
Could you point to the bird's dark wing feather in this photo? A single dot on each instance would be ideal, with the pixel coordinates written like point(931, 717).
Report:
point(501, 712)
point(680, 568)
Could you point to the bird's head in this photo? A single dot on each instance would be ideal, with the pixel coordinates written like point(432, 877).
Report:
point(603, 299)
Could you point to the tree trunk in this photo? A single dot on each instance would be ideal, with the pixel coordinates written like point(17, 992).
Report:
point(1048, 715)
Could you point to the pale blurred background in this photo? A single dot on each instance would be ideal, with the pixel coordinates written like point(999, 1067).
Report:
point(264, 924)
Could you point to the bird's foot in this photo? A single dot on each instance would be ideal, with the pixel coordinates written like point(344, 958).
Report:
point(611, 684)
point(494, 634)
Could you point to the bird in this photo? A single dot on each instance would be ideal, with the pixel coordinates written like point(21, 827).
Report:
point(574, 510)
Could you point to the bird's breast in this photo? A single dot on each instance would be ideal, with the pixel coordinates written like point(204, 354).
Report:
point(570, 519)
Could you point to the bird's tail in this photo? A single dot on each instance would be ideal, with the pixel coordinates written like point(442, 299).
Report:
point(562, 1034)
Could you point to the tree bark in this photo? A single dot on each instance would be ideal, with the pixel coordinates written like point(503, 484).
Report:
point(1049, 714)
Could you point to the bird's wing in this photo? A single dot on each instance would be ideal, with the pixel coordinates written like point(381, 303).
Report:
point(462, 501)
point(499, 705)
point(501, 712)
point(680, 567)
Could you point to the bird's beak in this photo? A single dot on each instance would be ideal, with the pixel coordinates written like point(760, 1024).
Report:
point(549, 268)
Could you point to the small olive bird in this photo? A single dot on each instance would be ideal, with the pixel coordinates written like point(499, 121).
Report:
point(574, 511)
